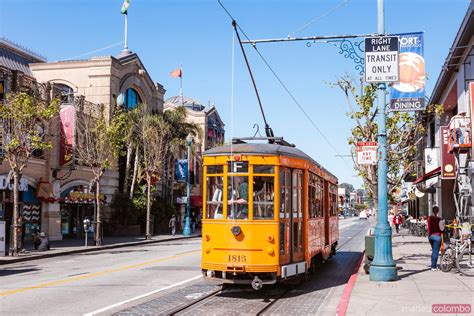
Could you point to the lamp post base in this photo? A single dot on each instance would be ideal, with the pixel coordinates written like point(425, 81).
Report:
point(383, 273)
point(187, 232)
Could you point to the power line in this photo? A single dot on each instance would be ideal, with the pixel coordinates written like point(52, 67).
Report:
point(286, 88)
point(319, 17)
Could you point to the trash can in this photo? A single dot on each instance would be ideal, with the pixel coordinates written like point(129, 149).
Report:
point(369, 249)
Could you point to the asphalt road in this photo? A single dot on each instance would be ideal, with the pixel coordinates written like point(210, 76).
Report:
point(120, 279)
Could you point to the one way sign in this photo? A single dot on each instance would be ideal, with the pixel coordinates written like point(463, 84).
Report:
point(381, 59)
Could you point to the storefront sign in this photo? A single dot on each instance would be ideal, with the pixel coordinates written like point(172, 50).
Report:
point(5, 183)
point(409, 93)
point(182, 200)
point(431, 163)
point(366, 153)
point(68, 124)
point(381, 59)
point(448, 163)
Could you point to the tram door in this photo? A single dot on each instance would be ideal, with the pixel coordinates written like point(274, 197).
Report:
point(285, 211)
point(326, 213)
point(297, 215)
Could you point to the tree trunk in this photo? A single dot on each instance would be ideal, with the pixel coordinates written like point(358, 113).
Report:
point(148, 207)
point(134, 176)
point(98, 227)
point(16, 215)
point(127, 168)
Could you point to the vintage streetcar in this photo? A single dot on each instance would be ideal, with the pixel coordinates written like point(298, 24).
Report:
point(270, 213)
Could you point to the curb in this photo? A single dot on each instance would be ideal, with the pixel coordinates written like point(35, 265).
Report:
point(346, 294)
point(92, 249)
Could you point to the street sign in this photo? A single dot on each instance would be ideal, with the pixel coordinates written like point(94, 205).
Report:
point(366, 153)
point(381, 59)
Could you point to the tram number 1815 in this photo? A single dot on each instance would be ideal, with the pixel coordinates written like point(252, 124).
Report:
point(237, 258)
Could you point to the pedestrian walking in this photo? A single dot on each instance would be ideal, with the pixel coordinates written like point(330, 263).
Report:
point(172, 224)
point(398, 220)
point(390, 219)
point(434, 237)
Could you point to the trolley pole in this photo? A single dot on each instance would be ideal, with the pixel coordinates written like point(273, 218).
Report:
point(187, 220)
point(383, 267)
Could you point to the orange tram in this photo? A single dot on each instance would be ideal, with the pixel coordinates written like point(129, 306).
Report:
point(270, 213)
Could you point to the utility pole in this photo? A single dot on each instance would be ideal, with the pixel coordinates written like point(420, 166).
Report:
point(383, 267)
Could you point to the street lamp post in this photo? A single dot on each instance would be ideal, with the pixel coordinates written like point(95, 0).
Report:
point(187, 220)
point(383, 267)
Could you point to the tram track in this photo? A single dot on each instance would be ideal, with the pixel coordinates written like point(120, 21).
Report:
point(256, 303)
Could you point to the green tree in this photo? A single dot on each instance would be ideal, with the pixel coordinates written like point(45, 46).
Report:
point(405, 131)
point(25, 119)
point(98, 145)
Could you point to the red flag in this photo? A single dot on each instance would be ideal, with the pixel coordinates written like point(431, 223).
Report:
point(176, 73)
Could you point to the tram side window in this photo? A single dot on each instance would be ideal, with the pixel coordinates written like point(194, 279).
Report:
point(214, 197)
point(312, 195)
point(319, 197)
point(285, 193)
point(263, 197)
point(332, 200)
point(238, 197)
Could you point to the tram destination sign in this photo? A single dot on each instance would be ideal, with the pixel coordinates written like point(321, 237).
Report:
point(381, 59)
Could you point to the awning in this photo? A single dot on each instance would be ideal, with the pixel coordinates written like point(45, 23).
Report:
point(433, 173)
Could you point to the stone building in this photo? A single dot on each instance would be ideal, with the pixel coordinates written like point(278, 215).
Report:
point(57, 191)
point(212, 131)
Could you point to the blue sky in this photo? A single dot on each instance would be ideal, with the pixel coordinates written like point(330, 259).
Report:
point(198, 34)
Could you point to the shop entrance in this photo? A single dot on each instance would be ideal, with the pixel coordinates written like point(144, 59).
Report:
point(72, 217)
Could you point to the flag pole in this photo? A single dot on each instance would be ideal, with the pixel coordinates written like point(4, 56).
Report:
point(181, 85)
point(125, 46)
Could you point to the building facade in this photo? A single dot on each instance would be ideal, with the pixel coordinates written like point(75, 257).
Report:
point(212, 134)
point(446, 172)
point(57, 194)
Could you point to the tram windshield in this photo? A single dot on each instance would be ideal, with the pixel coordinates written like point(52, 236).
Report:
point(238, 197)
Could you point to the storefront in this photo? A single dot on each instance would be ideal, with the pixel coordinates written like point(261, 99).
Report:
point(77, 204)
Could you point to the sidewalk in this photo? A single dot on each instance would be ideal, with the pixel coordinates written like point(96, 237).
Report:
point(72, 246)
point(417, 289)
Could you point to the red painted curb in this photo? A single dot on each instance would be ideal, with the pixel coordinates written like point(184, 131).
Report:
point(346, 294)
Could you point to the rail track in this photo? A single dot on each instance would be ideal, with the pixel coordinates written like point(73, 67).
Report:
point(256, 303)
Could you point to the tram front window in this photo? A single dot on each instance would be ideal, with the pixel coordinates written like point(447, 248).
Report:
point(263, 197)
point(214, 197)
point(238, 197)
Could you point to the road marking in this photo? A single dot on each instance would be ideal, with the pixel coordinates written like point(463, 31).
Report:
point(141, 296)
point(91, 275)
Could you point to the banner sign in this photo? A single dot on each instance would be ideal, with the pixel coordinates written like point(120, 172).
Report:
point(448, 163)
point(2, 90)
point(381, 59)
point(409, 93)
point(181, 170)
point(366, 153)
point(67, 116)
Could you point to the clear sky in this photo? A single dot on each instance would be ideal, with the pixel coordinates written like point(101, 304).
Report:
point(198, 35)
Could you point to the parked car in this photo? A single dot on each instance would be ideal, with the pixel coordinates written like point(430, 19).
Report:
point(363, 215)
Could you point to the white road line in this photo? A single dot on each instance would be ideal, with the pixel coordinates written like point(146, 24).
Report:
point(141, 296)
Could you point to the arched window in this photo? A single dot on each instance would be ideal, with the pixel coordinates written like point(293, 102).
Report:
point(131, 99)
point(64, 92)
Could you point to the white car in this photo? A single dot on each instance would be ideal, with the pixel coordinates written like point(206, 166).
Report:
point(363, 215)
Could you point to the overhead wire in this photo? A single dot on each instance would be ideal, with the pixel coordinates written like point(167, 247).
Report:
point(286, 88)
point(318, 18)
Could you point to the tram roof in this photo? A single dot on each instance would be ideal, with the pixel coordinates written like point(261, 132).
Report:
point(262, 149)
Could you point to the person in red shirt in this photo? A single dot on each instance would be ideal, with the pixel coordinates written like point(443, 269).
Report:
point(398, 220)
point(434, 236)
